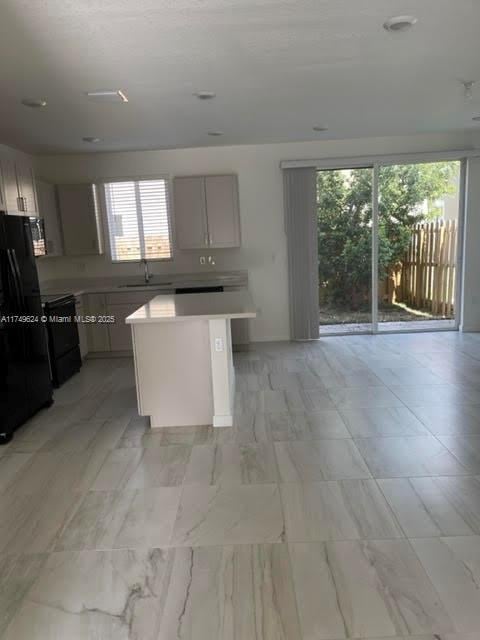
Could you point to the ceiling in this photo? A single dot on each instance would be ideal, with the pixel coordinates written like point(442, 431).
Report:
point(278, 68)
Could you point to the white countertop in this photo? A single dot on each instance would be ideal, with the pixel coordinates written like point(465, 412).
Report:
point(163, 282)
point(190, 306)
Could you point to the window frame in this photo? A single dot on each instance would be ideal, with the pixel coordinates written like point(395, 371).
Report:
point(100, 185)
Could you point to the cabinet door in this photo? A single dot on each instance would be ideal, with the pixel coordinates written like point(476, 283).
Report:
point(48, 210)
point(190, 213)
point(78, 213)
point(222, 211)
point(10, 186)
point(97, 333)
point(26, 187)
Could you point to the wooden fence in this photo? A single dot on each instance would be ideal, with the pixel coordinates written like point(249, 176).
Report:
point(426, 278)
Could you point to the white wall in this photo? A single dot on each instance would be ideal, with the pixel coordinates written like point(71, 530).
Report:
point(263, 251)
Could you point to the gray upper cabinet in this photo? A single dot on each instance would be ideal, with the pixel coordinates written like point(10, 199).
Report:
point(79, 218)
point(222, 211)
point(48, 210)
point(190, 213)
point(19, 186)
point(26, 187)
point(207, 212)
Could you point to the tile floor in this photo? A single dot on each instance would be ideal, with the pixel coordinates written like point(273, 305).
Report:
point(345, 503)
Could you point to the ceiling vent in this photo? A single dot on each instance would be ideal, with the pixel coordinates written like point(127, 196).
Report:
point(107, 95)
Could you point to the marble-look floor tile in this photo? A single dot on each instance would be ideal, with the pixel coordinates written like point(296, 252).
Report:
point(41, 428)
point(32, 523)
point(232, 464)
point(453, 565)
point(247, 428)
point(388, 421)
point(80, 435)
point(243, 592)
point(90, 595)
point(306, 426)
point(450, 420)
point(356, 379)
point(11, 466)
point(286, 381)
point(138, 435)
point(345, 510)
point(309, 461)
point(429, 507)
point(408, 376)
point(122, 519)
point(142, 468)
point(252, 381)
point(358, 589)
point(438, 394)
point(408, 456)
point(364, 398)
point(17, 574)
point(466, 449)
point(283, 401)
point(229, 515)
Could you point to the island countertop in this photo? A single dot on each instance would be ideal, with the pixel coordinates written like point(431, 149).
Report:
point(204, 306)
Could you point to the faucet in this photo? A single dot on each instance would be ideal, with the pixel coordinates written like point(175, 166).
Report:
point(147, 273)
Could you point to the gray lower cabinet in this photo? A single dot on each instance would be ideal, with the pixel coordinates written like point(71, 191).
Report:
point(80, 219)
point(206, 212)
point(82, 328)
point(98, 338)
point(48, 210)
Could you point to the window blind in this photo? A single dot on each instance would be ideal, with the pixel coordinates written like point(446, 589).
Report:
point(138, 220)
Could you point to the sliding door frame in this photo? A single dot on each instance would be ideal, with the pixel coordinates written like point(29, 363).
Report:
point(375, 165)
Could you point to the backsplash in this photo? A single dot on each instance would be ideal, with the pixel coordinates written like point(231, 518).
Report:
point(50, 268)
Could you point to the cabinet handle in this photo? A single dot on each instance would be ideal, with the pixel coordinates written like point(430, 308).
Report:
point(20, 203)
point(25, 207)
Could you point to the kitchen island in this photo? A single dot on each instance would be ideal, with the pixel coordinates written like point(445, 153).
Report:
point(182, 348)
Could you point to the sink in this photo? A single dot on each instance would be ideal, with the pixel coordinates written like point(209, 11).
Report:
point(159, 285)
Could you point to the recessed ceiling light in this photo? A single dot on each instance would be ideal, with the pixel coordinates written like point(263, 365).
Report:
point(91, 139)
point(204, 95)
point(34, 103)
point(399, 23)
point(108, 95)
point(319, 128)
point(215, 133)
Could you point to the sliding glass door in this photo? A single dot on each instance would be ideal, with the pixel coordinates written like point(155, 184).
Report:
point(418, 220)
point(344, 213)
point(388, 247)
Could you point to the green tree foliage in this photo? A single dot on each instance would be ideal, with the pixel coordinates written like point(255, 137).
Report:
point(345, 222)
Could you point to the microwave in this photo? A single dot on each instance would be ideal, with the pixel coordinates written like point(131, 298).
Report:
point(37, 227)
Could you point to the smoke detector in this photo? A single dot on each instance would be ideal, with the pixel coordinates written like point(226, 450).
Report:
point(400, 23)
point(205, 95)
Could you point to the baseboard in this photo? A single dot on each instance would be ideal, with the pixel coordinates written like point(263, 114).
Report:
point(223, 421)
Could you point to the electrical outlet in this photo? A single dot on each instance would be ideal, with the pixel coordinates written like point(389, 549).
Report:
point(218, 344)
point(202, 259)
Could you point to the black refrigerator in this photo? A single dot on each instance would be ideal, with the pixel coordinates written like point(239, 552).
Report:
point(25, 384)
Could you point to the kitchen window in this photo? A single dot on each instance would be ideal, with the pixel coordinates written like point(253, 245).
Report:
point(138, 218)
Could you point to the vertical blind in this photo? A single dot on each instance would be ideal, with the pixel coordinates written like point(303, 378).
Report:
point(302, 244)
point(138, 220)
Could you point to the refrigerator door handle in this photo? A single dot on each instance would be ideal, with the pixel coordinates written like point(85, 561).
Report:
point(13, 263)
